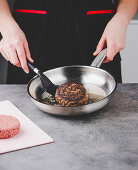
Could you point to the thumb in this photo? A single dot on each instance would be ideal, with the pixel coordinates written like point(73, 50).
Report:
point(100, 45)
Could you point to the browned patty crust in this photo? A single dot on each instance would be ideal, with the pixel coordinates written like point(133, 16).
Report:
point(71, 94)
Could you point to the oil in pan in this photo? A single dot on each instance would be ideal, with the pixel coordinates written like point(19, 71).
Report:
point(94, 94)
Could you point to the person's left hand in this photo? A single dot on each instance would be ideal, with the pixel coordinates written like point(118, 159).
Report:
point(114, 37)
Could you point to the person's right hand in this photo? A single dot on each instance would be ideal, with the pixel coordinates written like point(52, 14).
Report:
point(14, 47)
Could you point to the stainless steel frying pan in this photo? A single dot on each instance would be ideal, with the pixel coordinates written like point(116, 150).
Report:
point(99, 84)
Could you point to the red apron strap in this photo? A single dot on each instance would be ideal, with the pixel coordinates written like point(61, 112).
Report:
point(100, 12)
point(30, 11)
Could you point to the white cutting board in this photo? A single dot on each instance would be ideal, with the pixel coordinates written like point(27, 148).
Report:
point(30, 134)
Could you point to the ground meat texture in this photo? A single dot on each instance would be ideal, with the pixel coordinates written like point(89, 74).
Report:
point(71, 94)
point(9, 126)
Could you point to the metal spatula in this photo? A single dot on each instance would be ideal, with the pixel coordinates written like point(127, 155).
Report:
point(47, 84)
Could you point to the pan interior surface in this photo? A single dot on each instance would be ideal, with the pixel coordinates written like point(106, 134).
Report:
point(98, 83)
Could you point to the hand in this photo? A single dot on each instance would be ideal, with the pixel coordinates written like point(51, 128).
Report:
point(114, 37)
point(14, 47)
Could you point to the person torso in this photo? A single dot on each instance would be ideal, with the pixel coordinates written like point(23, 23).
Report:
point(63, 32)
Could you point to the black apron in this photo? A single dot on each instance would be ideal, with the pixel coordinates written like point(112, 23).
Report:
point(62, 32)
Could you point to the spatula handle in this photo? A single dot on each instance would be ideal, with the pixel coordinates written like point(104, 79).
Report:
point(33, 68)
point(40, 74)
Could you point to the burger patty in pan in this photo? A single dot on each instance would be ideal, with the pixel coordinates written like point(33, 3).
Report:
point(71, 94)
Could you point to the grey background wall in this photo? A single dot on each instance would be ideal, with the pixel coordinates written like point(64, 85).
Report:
point(129, 54)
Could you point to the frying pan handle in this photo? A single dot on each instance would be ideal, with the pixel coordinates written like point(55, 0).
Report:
point(99, 58)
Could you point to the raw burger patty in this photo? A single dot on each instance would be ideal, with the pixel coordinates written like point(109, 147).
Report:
point(71, 94)
point(9, 126)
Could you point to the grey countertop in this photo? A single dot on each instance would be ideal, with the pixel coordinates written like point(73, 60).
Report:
point(104, 140)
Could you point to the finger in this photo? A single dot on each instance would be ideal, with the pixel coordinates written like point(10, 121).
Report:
point(4, 55)
point(27, 52)
point(5, 52)
point(106, 60)
point(100, 45)
point(111, 50)
point(14, 58)
point(22, 58)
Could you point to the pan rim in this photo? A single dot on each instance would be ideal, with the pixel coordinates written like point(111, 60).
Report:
point(28, 85)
